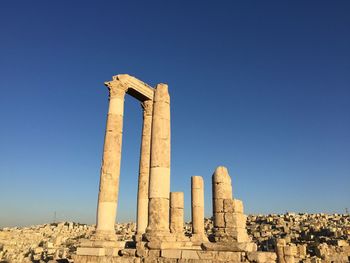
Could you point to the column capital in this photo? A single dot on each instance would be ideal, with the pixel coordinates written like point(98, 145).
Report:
point(147, 107)
point(116, 88)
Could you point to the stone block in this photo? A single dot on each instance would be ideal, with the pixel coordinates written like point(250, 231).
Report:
point(237, 206)
point(158, 209)
point(189, 254)
point(219, 220)
point(166, 260)
point(128, 252)
point(222, 191)
point(290, 250)
point(209, 255)
point(229, 256)
point(261, 257)
point(177, 200)
point(154, 253)
point(171, 253)
point(159, 183)
point(91, 251)
point(229, 246)
point(235, 220)
point(228, 205)
point(218, 205)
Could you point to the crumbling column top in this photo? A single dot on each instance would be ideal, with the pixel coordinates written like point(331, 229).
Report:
point(221, 175)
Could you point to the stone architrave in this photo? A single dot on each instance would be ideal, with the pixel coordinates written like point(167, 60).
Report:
point(110, 170)
point(145, 157)
point(159, 184)
point(197, 200)
point(177, 213)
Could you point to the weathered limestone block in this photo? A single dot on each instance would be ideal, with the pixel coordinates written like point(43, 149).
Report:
point(222, 188)
point(229, 256)
point(219, 221)
point(229, 246)
point(290, 250)
point(189, 254)
point(228, 205)
point(208, 255)
point(261, 257)
point(105, 259)
point(235, 220)
point(177, 212)
point(218, 205)
point(280, 244)
point(171, 253)
point(238, 206)
point(158, 209)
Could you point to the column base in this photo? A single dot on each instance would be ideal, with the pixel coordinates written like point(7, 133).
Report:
point(198, 239)
point(102, 235)
point(100, 248)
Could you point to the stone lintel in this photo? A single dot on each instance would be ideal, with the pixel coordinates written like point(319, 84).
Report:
point(136, 88)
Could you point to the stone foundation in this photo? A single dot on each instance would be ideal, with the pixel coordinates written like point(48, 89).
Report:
point(179, 255)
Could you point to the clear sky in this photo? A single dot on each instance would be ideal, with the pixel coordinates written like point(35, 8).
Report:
point(262, 87)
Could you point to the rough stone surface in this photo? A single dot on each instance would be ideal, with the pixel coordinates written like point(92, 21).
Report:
point(177, 212)
point(317, 238)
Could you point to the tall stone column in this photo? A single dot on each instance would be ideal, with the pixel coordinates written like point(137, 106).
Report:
point(159, 188)
point(177, 213)
point(197, 196)
point(145, 157)
point(110, 170)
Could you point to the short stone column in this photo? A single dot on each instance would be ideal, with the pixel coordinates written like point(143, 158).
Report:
point(197, 201)
point(110, 170)
point(159, 184)
point(177, 213)
point(229, 220)
point(145, 157)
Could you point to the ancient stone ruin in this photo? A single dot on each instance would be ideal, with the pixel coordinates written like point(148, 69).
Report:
point(160, 235)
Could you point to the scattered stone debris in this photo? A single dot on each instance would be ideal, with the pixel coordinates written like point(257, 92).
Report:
point(55, 242)
point(304, 237)
point(294, 237)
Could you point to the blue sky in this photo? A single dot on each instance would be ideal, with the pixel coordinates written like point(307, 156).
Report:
point(262, 87)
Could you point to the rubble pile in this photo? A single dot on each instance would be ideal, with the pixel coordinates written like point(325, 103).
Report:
point(294, 237)
point(303, 237)
point(41, 242)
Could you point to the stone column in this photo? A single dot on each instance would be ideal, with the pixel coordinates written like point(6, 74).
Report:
point(197, 196)
point(110, 170)
point(145, 157)
point(159, 188)
point(229, 220)
point(177, 212)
